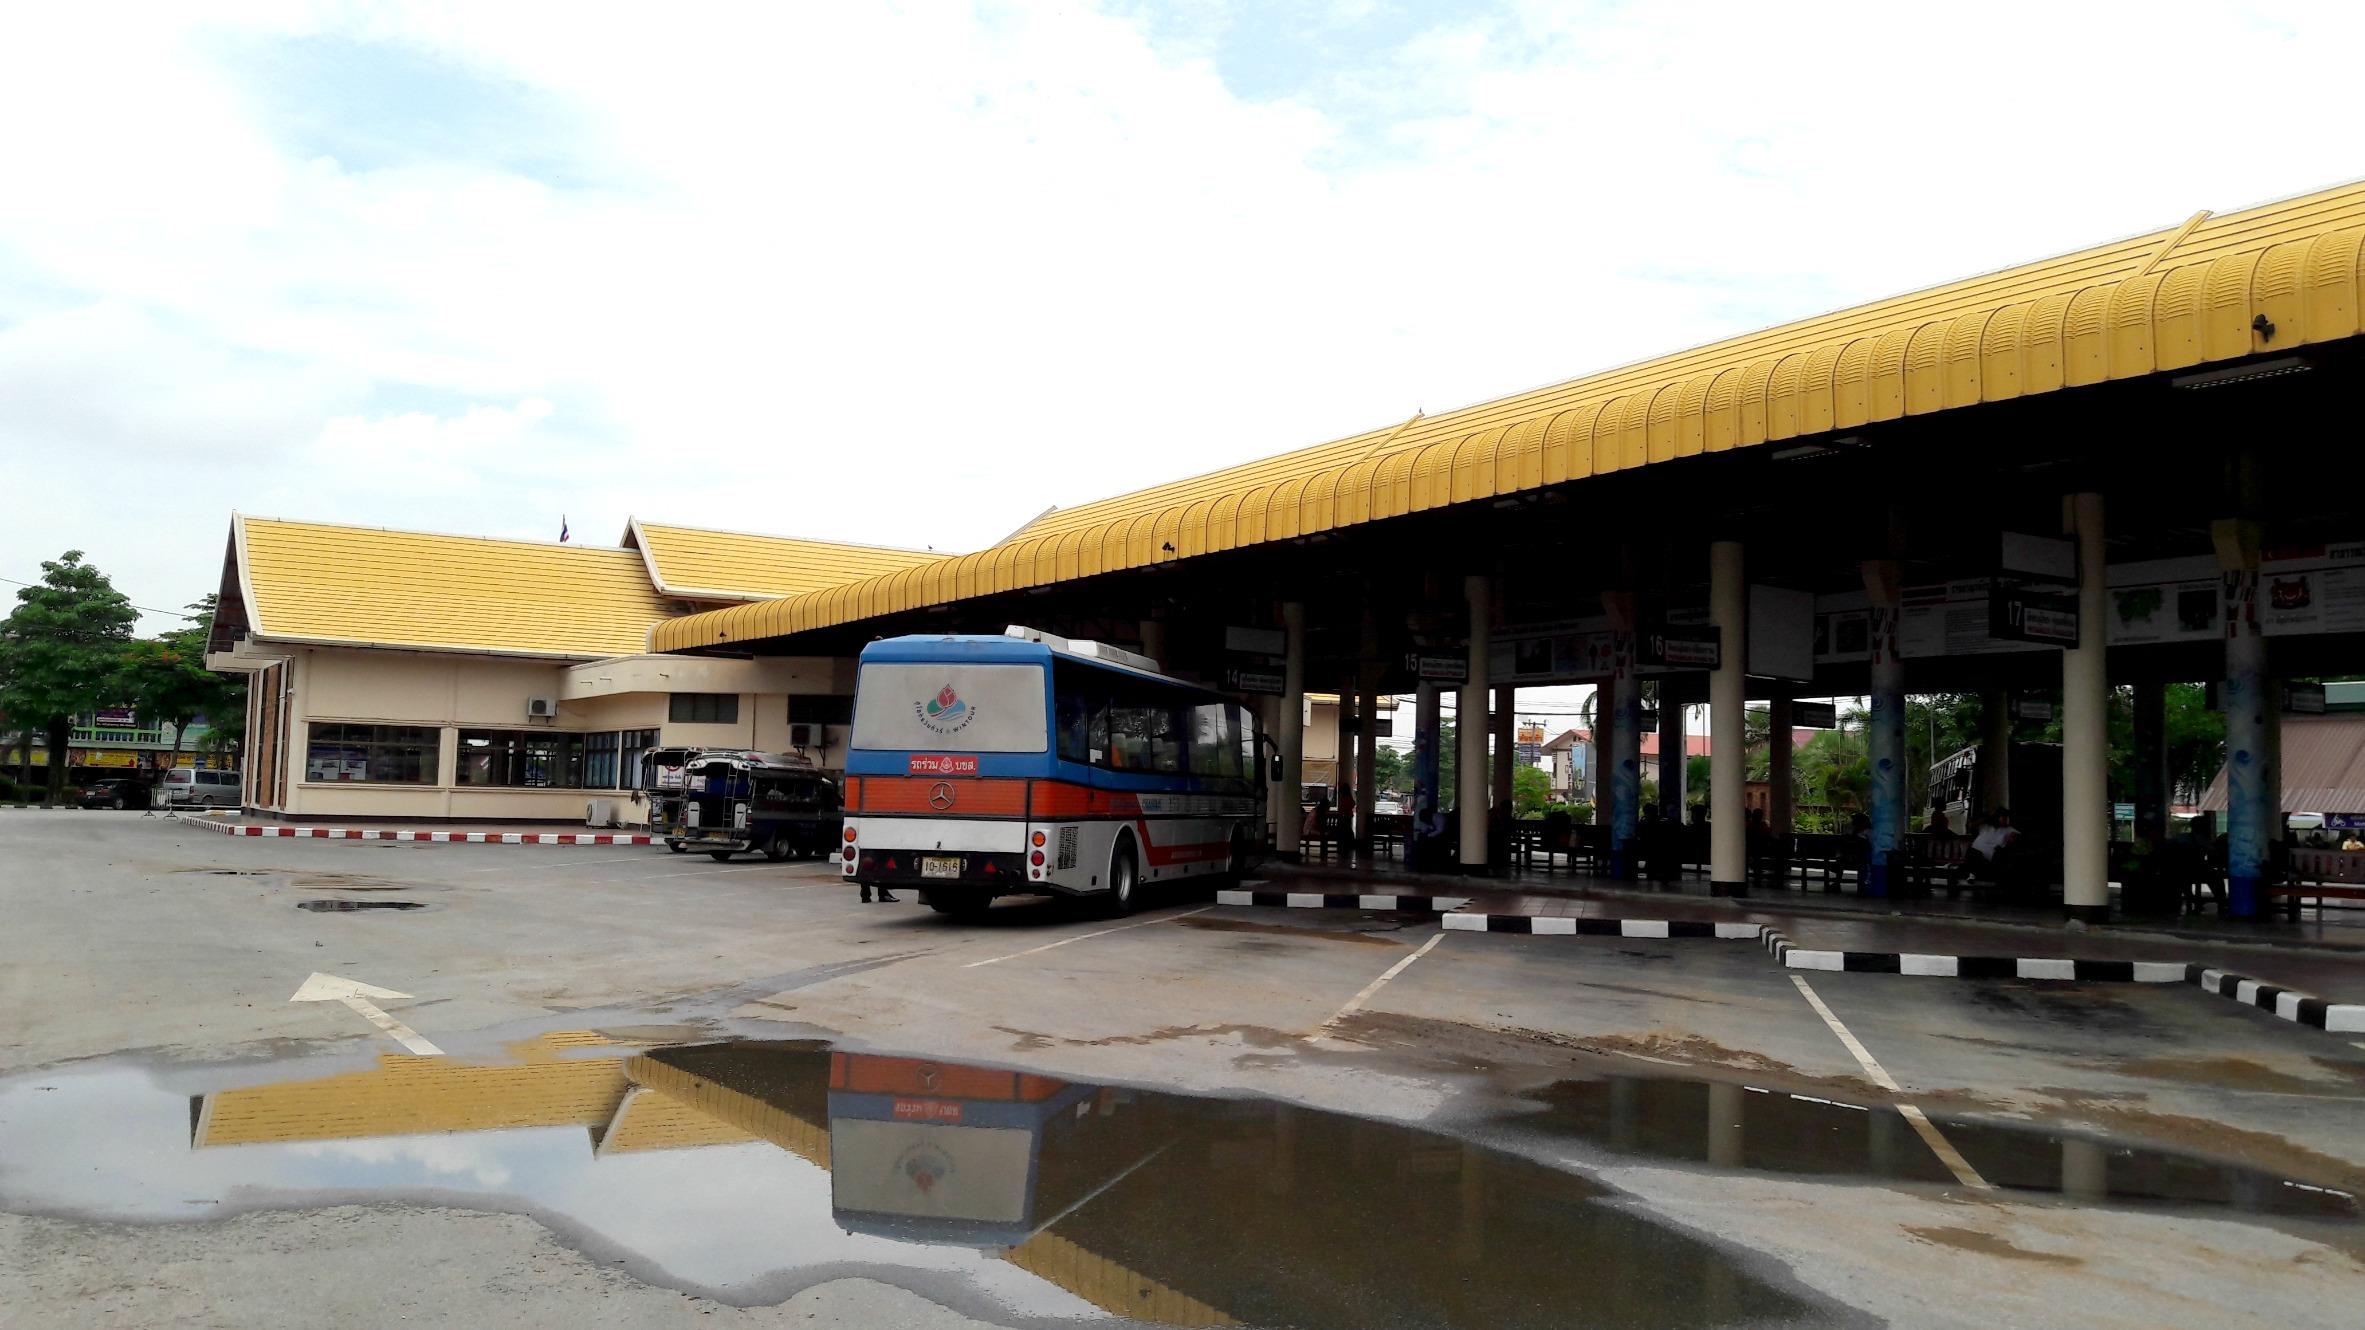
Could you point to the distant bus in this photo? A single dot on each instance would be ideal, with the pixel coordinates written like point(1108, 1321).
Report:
point(1030, 765)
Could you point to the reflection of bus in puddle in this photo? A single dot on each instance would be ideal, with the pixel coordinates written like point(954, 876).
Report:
point(934, 1152)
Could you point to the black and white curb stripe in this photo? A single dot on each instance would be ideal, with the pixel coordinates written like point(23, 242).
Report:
point(2288, 1003)
point(1556, 925)
point(439, 837)
point(1315, 900)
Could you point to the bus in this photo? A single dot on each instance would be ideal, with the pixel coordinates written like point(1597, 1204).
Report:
point(1027, 764)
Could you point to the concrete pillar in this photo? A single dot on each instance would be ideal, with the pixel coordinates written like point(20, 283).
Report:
point(1728, 749)
point(1471, 725)
point(1277, 800)
point(1725, 1103)
point(1672, 754)
point(2249, 790)
point(1884, 585)
point(1781, 785)
point(1622, 758)
point(1992, 778)
point(1350, 743)
point(1506, 744)
point(1292, 735)
point(2151, 761)
point(1367, 706)
point(1153, 642)
point(1427, 799)
point(2085, 730)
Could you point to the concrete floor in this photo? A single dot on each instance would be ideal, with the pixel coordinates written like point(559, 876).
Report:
point(168, 953)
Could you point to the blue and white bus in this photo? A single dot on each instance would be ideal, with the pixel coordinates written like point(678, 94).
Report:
point(1027, 764)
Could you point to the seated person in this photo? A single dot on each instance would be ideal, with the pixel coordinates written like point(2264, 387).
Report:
point(2349, 841)
point(1991, 846)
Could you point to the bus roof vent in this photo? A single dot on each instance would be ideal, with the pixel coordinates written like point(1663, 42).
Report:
point(1101, 651)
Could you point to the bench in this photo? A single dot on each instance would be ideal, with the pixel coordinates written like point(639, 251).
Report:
point(2338, 874)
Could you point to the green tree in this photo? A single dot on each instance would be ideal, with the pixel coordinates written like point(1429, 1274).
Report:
point(166, 682)
point(1833, 774)
point(60, 650)
point(1531, 791)
point(1391, 770)
point(1696, 772)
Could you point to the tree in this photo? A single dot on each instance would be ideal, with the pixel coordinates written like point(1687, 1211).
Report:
point(1391, 770)
point(1531, 790)
point(59, 653)
point(166, 682)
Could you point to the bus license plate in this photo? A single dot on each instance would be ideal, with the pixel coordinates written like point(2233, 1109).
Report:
point(940, 865)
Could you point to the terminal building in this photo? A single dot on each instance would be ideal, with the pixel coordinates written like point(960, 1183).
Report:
point(2116, 467)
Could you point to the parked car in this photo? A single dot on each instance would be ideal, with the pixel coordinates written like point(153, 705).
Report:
point(187, 788)
point(116, 792)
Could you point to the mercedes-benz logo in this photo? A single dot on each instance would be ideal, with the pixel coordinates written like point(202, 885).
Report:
point(941, 796)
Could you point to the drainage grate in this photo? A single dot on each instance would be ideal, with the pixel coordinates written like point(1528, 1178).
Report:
point(340, 907)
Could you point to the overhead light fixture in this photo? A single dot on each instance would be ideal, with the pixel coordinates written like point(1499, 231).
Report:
point(2256, 369)
point(1803, 451)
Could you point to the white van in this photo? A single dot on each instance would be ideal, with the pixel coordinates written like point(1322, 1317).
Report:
point(187, 788)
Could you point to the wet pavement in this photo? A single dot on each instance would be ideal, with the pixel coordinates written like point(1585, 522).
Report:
point(746, 1171)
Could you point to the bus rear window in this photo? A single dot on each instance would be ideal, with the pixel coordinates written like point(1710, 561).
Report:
point(951, 708)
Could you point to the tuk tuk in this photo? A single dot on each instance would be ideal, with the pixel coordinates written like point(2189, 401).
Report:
point(773, 802)
point(662, 776)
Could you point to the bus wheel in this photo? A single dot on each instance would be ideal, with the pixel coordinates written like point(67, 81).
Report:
point(719, 856)
point(677, 847)
point(1236, 872)
point(777, 848)
point(1124, 879)
point(965, 906)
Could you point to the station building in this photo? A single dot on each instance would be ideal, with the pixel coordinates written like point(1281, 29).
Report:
point(402, 674)
point(2121, 466)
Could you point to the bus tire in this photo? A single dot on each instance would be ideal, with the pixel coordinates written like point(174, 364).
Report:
point(965, 906)
point(1124, 892)
point(720, 856)
point(1236, 870)
point(777, 849)
point(677, 847)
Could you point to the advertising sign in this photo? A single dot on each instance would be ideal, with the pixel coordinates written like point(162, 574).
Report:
point(114, 718)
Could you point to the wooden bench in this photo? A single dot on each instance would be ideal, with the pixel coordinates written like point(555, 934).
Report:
point(1832, 854)
point(2338, 874)
point(1929, 858)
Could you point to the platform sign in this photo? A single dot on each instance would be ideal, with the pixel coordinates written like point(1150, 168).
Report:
point(1815, 715)
point(1436, 669)
point(2305, 699)
point(1685, 648)
point(2032, 708)
point(2020, 615)
point(1254, 679)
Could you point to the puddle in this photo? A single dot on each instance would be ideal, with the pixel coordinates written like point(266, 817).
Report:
point(1733, 1126)
point(340, 907)
point(746, 1171)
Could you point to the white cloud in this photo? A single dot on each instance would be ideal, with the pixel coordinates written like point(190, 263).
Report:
point(911, 274)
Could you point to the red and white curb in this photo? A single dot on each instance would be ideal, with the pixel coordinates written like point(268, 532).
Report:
point(439, 837)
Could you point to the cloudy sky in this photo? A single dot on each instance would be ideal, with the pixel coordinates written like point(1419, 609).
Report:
point(910, 274)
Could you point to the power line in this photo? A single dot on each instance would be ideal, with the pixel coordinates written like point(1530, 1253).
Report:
point(144, 609)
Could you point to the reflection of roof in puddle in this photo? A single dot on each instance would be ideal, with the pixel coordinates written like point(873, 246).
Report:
point(654, 1120)
point(407, 1096)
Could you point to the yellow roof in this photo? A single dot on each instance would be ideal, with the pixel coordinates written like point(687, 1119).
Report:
point(653, 1120)
point(697, 564)
point(314, 582)
point(408, 1096)
point(758, 1117)
point(2181, 296)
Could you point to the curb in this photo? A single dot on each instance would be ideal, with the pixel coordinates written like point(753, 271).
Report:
point(1312, 900)
point(2287, 1003)
point(440, 837)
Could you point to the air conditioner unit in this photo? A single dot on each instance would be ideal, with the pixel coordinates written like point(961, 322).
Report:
point(805, 736)
point(599, 812)
point(541, 708)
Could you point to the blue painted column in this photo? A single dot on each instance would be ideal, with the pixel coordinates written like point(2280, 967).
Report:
point(1623, 754)
point(1884, 731)
point(2250, 819)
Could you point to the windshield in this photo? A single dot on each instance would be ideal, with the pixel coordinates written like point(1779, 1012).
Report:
point(950, 708)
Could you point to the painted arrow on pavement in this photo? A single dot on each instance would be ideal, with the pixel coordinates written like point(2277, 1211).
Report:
point(356, 994)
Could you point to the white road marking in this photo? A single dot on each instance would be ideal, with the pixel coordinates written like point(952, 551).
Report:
point(1928, 1130)
point(1086, 937)
point(1356, 1002)
point(355, 994)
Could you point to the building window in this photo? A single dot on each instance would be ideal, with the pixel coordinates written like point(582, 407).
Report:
point(539, 759)
point(704, 709)
point(378, 754)
point(821, 709)
point(599, 760)
point(636, 744)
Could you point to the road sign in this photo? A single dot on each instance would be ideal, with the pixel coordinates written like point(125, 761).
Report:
point(2021, 615)
point(1815, 715)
